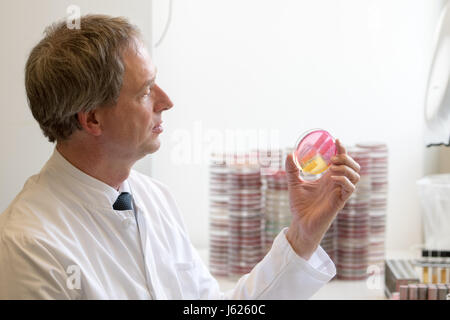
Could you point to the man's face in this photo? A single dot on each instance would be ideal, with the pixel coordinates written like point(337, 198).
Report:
point(132, 127)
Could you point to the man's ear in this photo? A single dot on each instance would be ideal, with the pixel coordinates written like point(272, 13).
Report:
point(89, 123)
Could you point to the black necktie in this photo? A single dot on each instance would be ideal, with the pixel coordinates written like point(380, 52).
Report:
point(123, 202)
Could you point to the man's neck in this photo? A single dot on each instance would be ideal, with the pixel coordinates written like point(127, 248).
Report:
point(96, 163)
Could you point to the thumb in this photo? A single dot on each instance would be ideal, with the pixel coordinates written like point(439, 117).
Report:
point(340, 148)
point(292, 170)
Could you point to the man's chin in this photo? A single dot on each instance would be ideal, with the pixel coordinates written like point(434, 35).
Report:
point(150, 146)
point(153, 146)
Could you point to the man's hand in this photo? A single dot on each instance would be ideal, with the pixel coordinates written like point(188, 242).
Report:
point(314, 204)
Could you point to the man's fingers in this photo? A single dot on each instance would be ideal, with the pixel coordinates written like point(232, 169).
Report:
point(346, 171)
point(291, 170)
point(345, 159)
point(340, 149)
point(342, 157)
point(347, 187)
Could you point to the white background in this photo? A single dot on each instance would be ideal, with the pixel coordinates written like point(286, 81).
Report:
point(354, 67)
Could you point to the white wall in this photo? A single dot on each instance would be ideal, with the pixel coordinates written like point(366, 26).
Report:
point(24, 149)
point(354, 67)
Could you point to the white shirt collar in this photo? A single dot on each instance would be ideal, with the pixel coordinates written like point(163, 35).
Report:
point(124, 187)
point(111, 194)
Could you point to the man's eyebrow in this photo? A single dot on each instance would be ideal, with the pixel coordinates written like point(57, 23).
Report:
point(149, 83)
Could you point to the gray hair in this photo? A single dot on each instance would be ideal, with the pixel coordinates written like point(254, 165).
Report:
point(73, 70)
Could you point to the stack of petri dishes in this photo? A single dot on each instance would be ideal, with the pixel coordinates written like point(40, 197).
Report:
point(378, 202)
point(276, 206)
point(268, 160)
point(245, 218)
point(218, 217)
point(249, 206)
point(329, 243)
point(353, 227)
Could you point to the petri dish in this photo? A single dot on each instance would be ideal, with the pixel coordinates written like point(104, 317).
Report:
point(313, 152)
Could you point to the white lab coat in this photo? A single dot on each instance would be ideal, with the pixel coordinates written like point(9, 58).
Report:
point(61, 239)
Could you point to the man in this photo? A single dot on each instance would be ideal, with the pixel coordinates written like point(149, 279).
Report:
point(89, 227)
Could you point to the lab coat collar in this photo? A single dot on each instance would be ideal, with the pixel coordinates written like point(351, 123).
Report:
point(104, 193)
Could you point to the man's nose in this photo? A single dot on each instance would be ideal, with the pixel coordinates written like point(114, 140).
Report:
point(163, 101)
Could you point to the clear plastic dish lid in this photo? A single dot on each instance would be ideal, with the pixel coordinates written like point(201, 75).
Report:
point(313, 153)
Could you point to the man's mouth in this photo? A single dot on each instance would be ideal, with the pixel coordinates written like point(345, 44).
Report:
point(158, 128)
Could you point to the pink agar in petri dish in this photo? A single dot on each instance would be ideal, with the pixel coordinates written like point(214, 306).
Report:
point(313, 153)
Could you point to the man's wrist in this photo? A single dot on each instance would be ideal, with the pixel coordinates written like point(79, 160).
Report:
point(302, 247)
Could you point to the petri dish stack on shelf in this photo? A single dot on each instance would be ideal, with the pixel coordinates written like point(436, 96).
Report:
point(218, 215)
point(378, 202)
point(249, 206)
point(329, 243)
point(353, 227)
point(218, 218)
point(276, 206)
point(268, 160)
point(246, 218)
